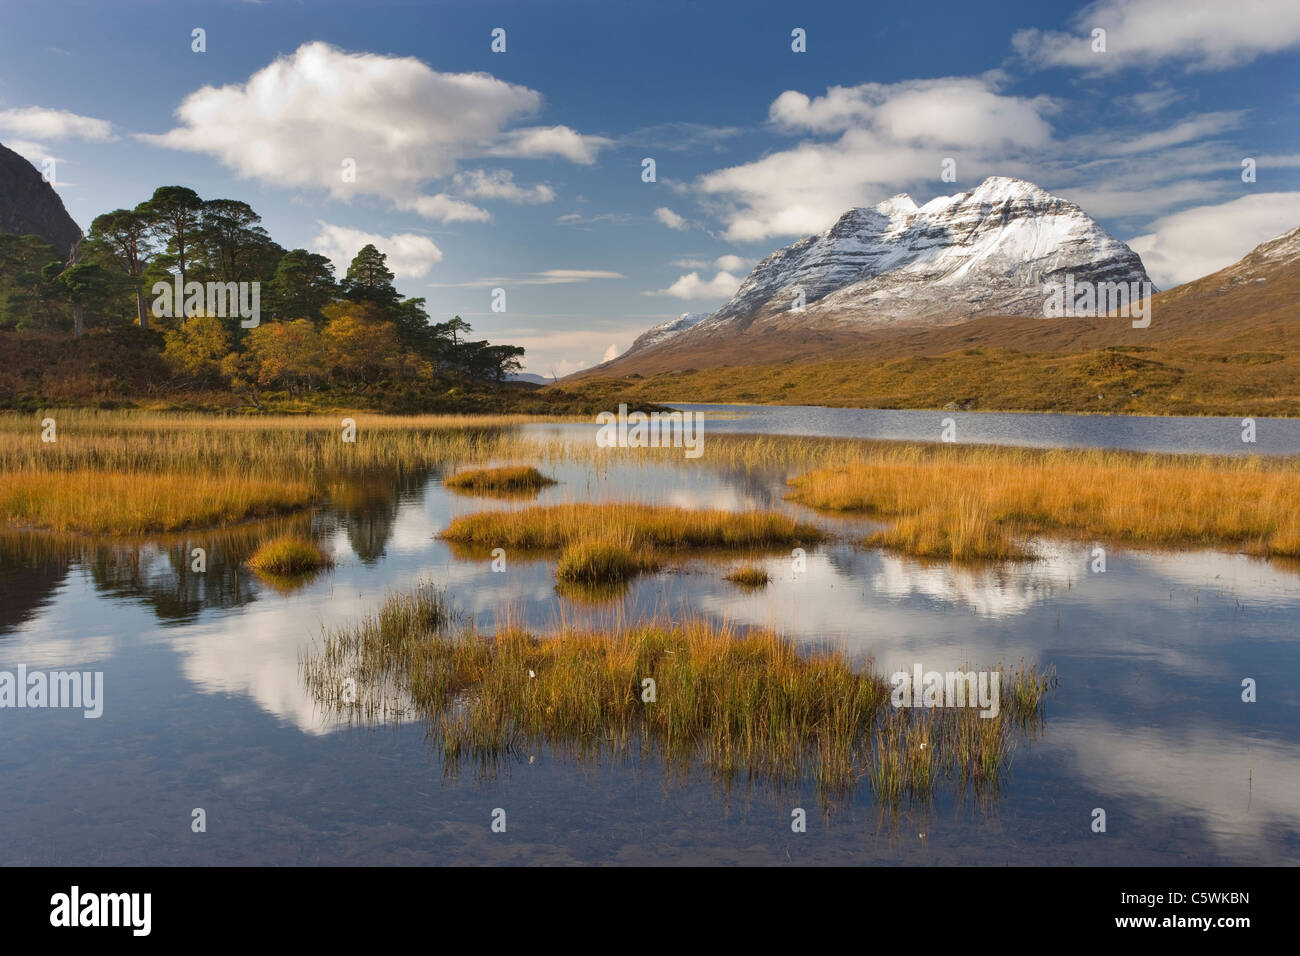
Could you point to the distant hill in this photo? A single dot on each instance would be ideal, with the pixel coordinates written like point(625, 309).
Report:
point(1225, 344)
point(30, 206)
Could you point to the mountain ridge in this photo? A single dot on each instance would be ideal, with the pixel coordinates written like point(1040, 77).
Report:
point(985, 251)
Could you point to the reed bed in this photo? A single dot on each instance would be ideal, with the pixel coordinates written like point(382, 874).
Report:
point(509, 481)
point(745, 704)
point(130, 473)
point(91, 501)
point(298, 445)
point(978, 503)
point(638, 526)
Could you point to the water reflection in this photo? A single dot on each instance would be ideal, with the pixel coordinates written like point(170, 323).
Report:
point(1148, 715)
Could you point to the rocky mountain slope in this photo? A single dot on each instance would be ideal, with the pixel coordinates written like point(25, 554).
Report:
point(985, 252)
point(29, 205)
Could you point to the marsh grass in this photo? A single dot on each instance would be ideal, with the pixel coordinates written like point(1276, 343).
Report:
point(981, 503)
point(749, 576)
point(602, 561)
point(552, 527)
point(134, 473)
point(91, 501)
point(509, 482)
point(741, 704)
point(287, 556)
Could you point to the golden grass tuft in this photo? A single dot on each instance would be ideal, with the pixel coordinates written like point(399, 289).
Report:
point(508, 482)
point(287, 556)
point(750, 703)
point(749, 576)
point(601, 561)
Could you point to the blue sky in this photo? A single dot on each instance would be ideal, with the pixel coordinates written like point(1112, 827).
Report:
point(523, 169)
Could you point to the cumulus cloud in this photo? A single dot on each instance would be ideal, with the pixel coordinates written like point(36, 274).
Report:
point(294, 123)
point(691, 286)
point(410, 256)
point(1196, 242)
point(731, 263)
point(886, 133)
point(500, 184)
point(862, 144)
point(1205, 34)
point(611, 353)
point(725, 263)
point(446, 209)
point(41, 123)
point(966, 111)
point(669, 218)
point(550, 141)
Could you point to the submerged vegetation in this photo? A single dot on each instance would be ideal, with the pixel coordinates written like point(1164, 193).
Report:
point(746, 704)
point(519, 480)
point(977, 503)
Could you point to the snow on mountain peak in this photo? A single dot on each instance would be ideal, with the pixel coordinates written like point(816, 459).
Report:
point(900, 205)
point(986, 251)
point(658, 334)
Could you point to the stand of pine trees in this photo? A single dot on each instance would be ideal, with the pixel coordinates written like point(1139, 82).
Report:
point(319, 340)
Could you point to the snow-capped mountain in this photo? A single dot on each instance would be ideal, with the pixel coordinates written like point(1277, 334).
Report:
point(988, 251)
point(665, 330)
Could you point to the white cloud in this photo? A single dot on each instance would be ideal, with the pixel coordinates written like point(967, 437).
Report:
point(539, 141)
point(1206, 34)
point(691, 286)
point(37, 121)
point(966, 111)
point(446, 209)
point(731, 263)
point(1186, 131)
point(577, 219)
point(669, 218)
point(554, 276)
point(1119, 200)
point(866, 143)
point(726, 263)
point(410, 256)
point(611, 353)
point(500, 184)
point(564, 367)
point(37, 153)
point(1196, 242)
point(889, 135)
point(295, 121)
point(546, 277)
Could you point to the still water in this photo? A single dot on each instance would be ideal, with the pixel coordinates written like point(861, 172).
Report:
point(1219, 436)
point(205, 705)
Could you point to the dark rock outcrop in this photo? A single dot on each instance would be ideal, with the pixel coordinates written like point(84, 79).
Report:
point(30, 206)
